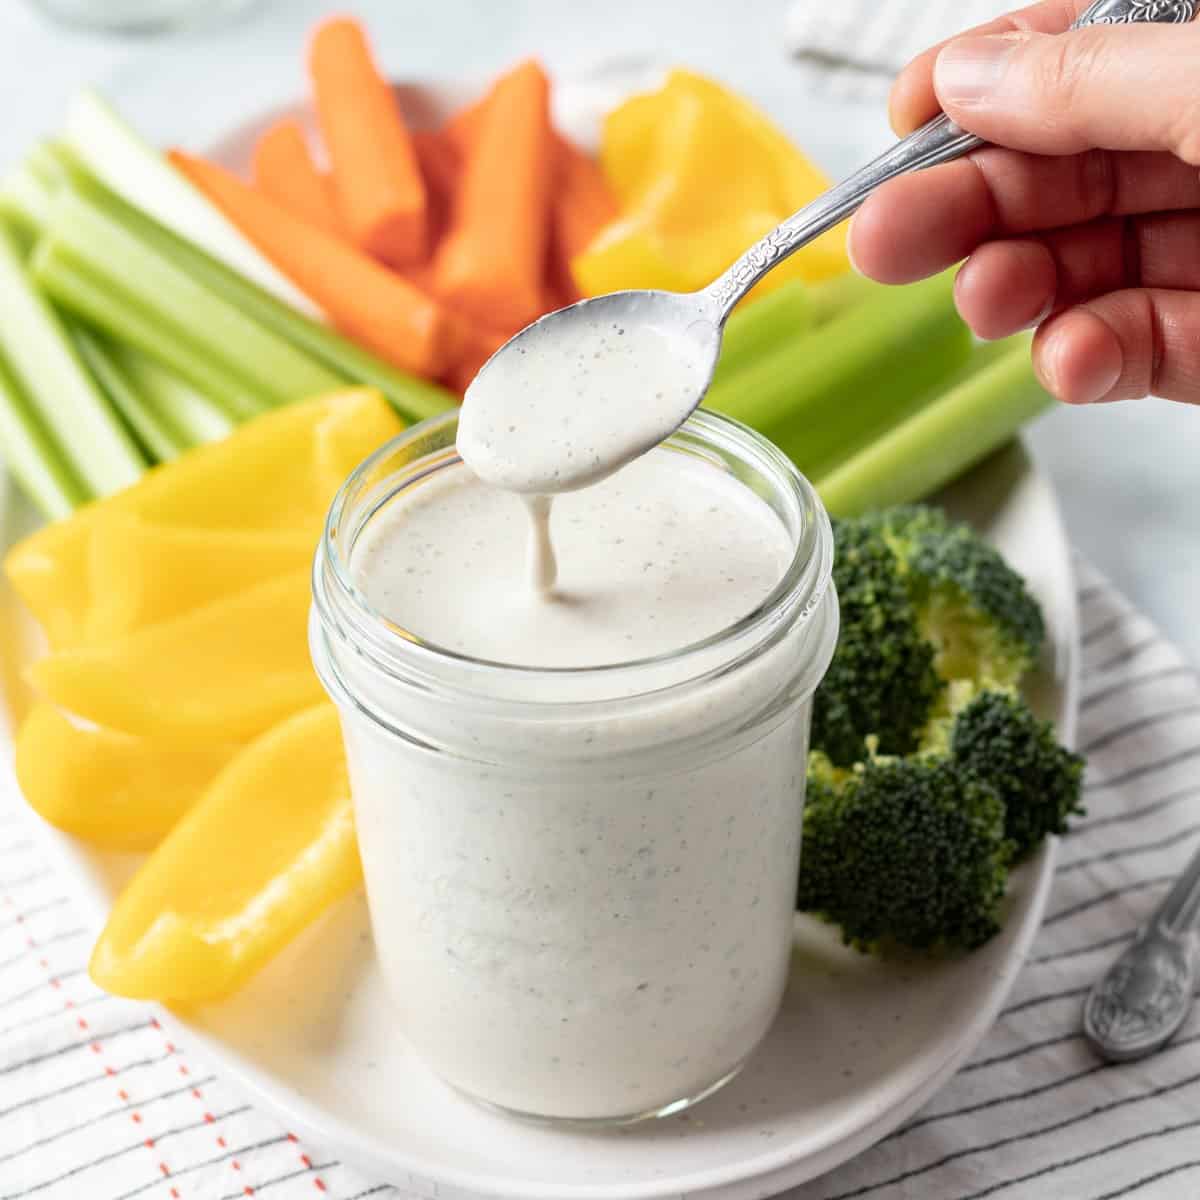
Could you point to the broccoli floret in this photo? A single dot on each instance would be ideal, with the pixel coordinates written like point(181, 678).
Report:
point(997, 741)
point(903, 851)
point(881, 682)
point(970, 603)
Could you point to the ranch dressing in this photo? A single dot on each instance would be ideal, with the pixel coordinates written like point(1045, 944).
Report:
point(581, 865)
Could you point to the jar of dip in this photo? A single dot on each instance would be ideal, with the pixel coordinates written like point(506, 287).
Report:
point(581, 874)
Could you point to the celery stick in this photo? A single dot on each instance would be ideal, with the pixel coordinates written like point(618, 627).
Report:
point(156, 437)
point(133, 169)
point(825, 396)
point(760, 327)
point(192, 417)
point(31, 455)
point(112, 253)
point(98, 302)
point(832, 297)
point(25, 199)
point(413, 398)
point(47, 365)
point(977, 412)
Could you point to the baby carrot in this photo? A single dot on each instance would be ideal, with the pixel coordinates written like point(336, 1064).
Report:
point(284, 171)
point(364, 299)
point(376, 178)
point(583, 201)
point(441, 171)
point(490, 266)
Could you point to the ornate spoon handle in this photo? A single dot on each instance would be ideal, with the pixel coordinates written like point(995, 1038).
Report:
point(939, 141)
point(1144, 997)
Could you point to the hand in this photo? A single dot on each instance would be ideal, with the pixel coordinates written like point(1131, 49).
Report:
point(1087, 223)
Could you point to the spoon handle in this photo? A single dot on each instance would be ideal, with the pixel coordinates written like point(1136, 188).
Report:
point(1179, 913)
point(939, 141)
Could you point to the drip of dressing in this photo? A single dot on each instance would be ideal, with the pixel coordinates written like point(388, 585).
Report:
point(543, 564)
point(571, 403)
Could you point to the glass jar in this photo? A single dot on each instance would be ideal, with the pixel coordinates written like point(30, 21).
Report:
point(581, 882)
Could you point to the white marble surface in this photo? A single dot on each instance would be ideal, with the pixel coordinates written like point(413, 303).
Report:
point(1128, 475)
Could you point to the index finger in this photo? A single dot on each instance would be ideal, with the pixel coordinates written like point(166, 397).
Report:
point(913, 101)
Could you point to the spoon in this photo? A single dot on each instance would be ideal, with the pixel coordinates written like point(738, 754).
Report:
point(1145, 996)
point(689, 324)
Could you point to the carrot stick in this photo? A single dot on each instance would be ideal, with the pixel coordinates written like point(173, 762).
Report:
point(285, 172)
point(441, 170)
point(490, 265)
point(480, 345)
point(365, 300)
point(376, 179)
point(583, 201)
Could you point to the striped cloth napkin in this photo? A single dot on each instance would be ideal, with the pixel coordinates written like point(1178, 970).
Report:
point(855, 47)
point(98, 1103)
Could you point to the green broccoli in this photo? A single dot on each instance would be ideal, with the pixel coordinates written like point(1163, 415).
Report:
point(973, 607)
point(906, 851)
point(930, 613)
point(929, 774)
point(999, 742)
point(881, 681)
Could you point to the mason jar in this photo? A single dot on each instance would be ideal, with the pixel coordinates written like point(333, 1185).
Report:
point(581, 881)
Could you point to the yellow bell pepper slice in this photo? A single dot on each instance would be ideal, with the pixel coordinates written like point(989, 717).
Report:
point(276, 472)
point(269, 847)
point(701, 175)
point(140, 573)
point(221, 673)
point(114, 791)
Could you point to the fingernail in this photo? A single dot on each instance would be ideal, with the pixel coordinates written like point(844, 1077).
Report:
point(970, 71)
point(850, 248)
point(1087, 379)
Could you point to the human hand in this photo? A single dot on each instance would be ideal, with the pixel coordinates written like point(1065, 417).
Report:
point(1086, 224)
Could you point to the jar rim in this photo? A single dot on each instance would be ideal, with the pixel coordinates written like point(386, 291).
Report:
point(341, 604)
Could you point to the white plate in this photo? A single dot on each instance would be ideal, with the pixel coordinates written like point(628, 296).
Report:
point(860, 1044)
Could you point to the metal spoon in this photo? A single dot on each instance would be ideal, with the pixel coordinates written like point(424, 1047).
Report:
point(699, 317)
point(1145, 996)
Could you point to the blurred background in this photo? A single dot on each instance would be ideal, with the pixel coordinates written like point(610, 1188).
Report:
point(1126, 474)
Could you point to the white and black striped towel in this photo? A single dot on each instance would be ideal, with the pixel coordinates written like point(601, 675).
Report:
point(854, 47)
point(97, 1103)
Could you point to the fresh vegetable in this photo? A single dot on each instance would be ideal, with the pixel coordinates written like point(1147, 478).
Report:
point(25, 196)
point(491, 264)
point(413, 398)
point(276, 474)
point(141, 573)
point(760, 328)
point(965, 419)
point(440, 169)
point(700, 175)
point(881, 683)
point(114, 791)
point(905, 852)
point(30, 454)
point(46, 364)
point(376, 177)
point(203, 913)
point(285, 172)
point(158, 441)
point(925, 601)
point(825, 396)
point(223, 672)
point(377, 307)
point(996, 739)
point(115, 154)
point(192, 330)
point(928, 774)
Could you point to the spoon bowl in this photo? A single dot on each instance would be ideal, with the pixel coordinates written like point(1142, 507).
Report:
point(584, 390)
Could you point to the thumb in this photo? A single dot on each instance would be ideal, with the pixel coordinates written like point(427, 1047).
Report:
point(1117, 87)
